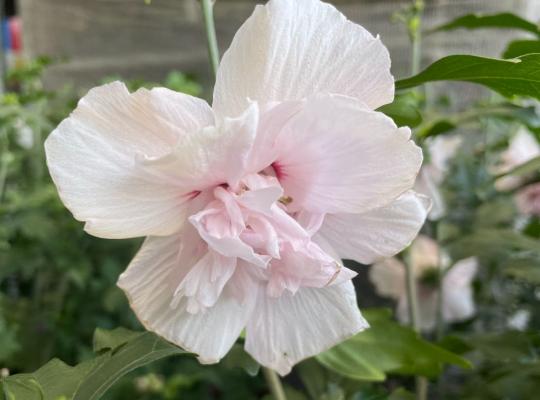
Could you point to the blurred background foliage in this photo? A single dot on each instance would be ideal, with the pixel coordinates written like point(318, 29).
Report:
point(57, 284)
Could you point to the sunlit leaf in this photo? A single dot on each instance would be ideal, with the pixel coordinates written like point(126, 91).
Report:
point(387, 347)
point(477, 21)
point(515, 77)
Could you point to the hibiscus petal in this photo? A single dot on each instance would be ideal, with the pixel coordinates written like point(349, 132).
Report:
point(92, 157)
point(215, 155)
point(285, 330)
point(205, 281)
point(302, 47)
point(337, 156)
point(150, 282)
point(379, 233)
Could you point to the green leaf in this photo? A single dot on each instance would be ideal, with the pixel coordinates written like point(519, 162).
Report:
point(238, 357)
point(501, 21)
point(110, 339)
point(521, 47)
point(403, 110)
point(515, 77)
point(387, 347)
point(436, 128)
point(527, 269)
point(491, 243)
point(91, 379)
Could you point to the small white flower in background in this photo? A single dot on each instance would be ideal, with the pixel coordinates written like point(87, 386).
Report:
point(25, 135)
point(522, 147)
point(519, 320)
point(441, 150)
point(250, 204)
point(388, 276)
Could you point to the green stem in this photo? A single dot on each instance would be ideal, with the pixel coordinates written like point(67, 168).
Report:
point(274, 383)
point(414, 28)
point(415, 33)
point(213, 51)
point(439, 316)
point(412, 297)
point(412, 301)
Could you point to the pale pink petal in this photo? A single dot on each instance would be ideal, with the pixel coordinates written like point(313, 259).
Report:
point(458, 296)
point(285, 330)
point(289, 50)
point(213, 226)
point(388, 277)
point(205, 281)
point(307, 266)
point(92, 157)
point(150, 283)
point(213, 156)
point(337, 156)
point(379, 233)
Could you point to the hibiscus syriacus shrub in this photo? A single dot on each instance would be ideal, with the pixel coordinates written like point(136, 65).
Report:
point(304, 158)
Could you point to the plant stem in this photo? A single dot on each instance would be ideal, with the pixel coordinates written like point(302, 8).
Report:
point(412, 302)
point(412, 296)
point(274, 383)
point(439, 316)
point(414, 25)
point(213, 51)
point(415, 34)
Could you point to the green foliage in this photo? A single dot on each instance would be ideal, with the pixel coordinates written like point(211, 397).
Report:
point(516, 77)
point(518, 48)
point(118, 352)
point(387, 347)
point(404, 110)
point(501, 21)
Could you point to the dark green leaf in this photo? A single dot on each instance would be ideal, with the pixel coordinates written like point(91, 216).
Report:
point(519, 48)
point(502, 20)
point(387, 347)
point(515, 77)
point(436, 128)
point(91, 379)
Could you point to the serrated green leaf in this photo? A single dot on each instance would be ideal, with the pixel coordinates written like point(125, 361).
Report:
point(515, 77)
point(387, 347)
point(91, 379)
point(479, 21)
